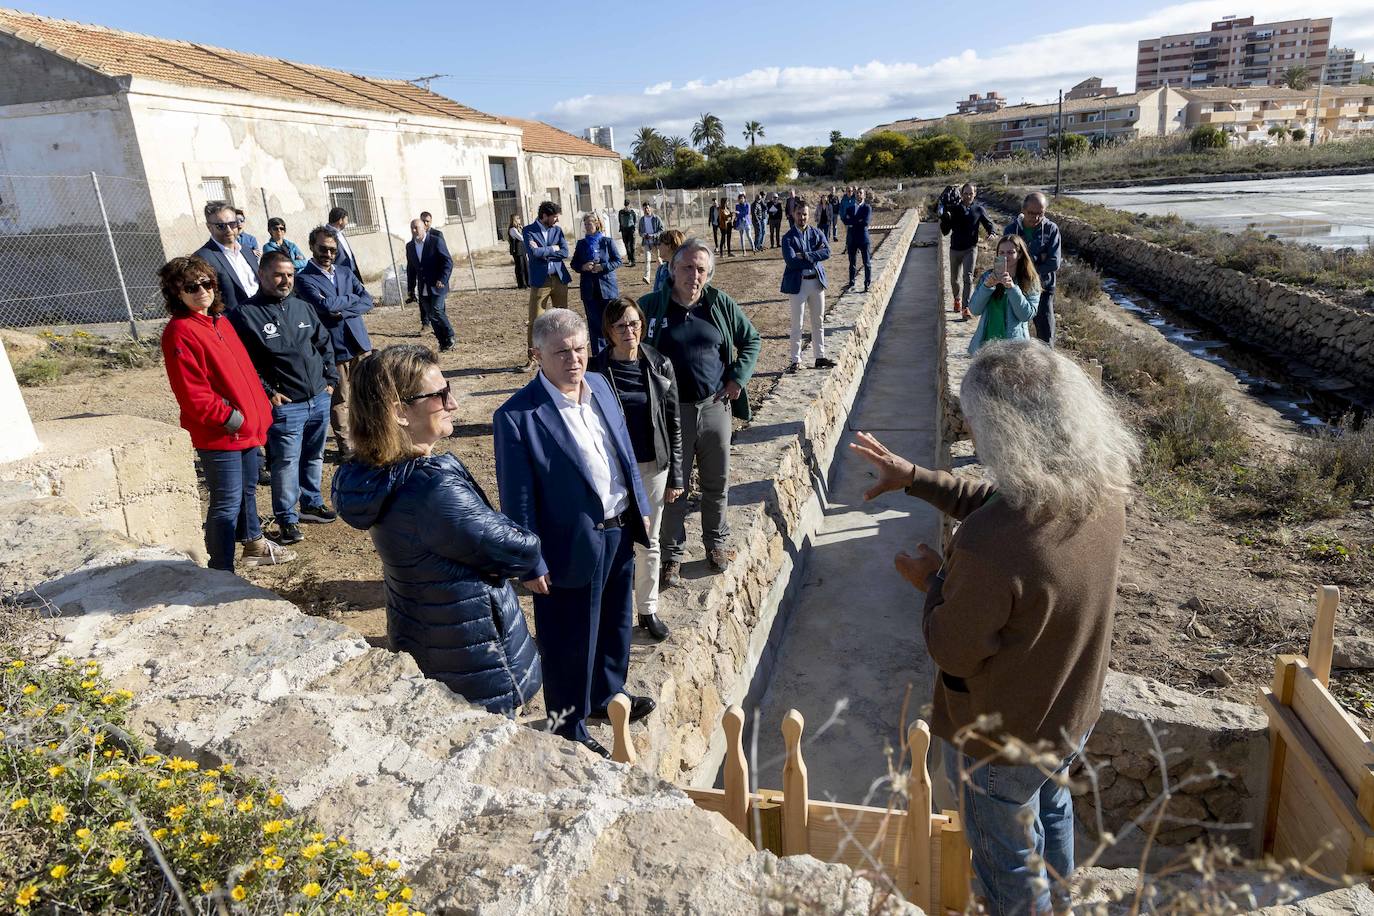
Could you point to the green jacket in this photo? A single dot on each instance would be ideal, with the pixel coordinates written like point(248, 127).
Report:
point(740, 350)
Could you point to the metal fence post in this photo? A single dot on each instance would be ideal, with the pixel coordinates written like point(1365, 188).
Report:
point(386, 224)
point(114, 253)
point(462, 223)
point(266, 213)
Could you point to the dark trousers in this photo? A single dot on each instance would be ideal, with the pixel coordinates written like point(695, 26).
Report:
point(715, 233)
point(774, 233)
point(595, 307)
point(584, 637)
point(1044, 317)
point(860, 244)
point(232, 479)
point(628, 237)
point(434, 311)
point(725, 241)
point(522, 271)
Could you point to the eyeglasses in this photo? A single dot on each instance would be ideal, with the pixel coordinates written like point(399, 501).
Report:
point(223, 225)
point(626, 326)
point(331, 249)
point(446, 393)
point(196, 286)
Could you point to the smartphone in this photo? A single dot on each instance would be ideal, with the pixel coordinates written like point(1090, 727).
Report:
point(999, 266)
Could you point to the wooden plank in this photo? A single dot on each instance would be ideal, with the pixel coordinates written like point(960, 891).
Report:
point(1326, 801)
point(1285, 670)
point(736, 771)
point(920, 883)
point(842, 833)
point(767, 815)
point(1303, 829)
point(1364, 799)
point(623, 749)
point(795, 791)
point(1323, 641)
point(956, 865)
point(1333, 729)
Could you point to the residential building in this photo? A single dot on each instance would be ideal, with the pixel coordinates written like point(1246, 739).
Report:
point(1234, 52)
point(603, 137)
point(1343, 68)
point(1337, 113)
point(977, 104)
point(1090, 88)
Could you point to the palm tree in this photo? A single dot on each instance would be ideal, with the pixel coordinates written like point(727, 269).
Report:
point(752, 131)
point(675, 143)
point(648, 151)
point(1297, 78)
point(708, 133)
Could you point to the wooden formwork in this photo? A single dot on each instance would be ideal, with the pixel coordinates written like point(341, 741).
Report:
point(919, 854)
point(1321, 764)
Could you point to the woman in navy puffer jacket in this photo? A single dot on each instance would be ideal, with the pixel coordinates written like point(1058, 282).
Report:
point(446, 553)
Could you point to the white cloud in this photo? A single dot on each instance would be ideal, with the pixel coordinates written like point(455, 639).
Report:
point(800, 105)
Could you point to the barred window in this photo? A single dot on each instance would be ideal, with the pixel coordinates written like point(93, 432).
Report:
point(458, 198)
point(217, 187)
point(354, 194)
point(584, 192)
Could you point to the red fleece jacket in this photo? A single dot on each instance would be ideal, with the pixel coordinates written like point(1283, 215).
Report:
point(223, 405)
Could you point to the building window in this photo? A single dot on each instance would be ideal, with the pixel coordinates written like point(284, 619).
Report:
point(458, 198)
point(554, 194)
point(216, 187)
point(584, 192)
point(608, 195)
point(354, 194)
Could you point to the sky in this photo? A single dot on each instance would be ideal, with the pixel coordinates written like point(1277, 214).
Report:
point(802, 69)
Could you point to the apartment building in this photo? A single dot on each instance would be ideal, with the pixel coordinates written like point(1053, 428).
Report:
point(1234, 52)
point(1336, 113)
point(1343, 68)
point(977, 104)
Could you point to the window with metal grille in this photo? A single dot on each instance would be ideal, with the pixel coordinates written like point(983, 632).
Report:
point(608, 195)
point(584, 192)
point(216, 187)
point(458, 198)
point(354, 194)
point(554, 194)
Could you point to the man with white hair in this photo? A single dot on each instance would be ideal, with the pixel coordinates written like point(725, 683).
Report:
point(1042, 238)
point(566, 470)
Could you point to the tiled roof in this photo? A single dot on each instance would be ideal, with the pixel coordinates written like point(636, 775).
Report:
point(118, 53)
point(1221, 94)
point(545, 138)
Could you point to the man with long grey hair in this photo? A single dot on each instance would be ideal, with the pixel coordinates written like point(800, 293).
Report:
point(1018, 611)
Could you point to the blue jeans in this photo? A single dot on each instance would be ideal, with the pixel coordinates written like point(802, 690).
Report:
point(295, 442)
point(996, 795)
point(232, 479)
point(434, 311)
point(759, 229)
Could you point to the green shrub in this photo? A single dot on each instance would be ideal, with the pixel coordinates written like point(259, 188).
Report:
point(38, 370)
point(1079, 281)
point(84, 807)
point(1344, 454)
point(1206, 137)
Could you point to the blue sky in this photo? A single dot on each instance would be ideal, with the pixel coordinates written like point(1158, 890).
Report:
point(802, 69)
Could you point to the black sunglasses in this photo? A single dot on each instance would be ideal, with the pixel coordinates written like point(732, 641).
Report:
point(222, 225)
point(445, 392)
point(197, 285)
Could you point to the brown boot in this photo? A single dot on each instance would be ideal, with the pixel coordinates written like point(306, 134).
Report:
point(719, 558)
point(263, 552)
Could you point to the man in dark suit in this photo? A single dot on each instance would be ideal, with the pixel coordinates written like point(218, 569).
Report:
point(340, 300)
point(566, 471)
point(338, 222)
point(856, 239)
point(428, 264)
point(235, 267)
point(428, 218)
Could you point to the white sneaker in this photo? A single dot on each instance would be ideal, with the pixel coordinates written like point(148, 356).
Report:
point(263, 552)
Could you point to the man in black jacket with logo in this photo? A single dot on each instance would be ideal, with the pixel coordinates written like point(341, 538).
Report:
point(294, 356)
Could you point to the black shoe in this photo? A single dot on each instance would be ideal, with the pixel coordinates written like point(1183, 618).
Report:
point(318, 515)
point(792, 368)
point(639, 708)
point(288, 533)
point(594, 746)
point(824, 363)
point(264, 477)
point(657, 629)
point(444, 348)
point(865, 287)
point(670, 576)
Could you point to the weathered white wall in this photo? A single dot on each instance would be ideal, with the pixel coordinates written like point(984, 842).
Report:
point(544, 170)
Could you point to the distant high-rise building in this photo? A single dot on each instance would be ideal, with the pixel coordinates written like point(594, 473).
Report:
point(1342, 67)
point(1234, 52)
point(601, 136)
point(977, 104)
point(1090, 88)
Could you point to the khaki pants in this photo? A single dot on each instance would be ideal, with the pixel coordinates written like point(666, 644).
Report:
point(553, 294)
point(338, 401)
point(812, 299)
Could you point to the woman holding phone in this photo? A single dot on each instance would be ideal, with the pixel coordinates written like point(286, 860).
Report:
point(1007, 296)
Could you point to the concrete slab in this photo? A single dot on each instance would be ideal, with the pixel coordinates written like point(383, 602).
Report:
point(854, 635)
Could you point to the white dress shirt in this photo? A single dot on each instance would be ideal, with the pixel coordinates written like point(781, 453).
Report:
point(419, 252)
point(585, 424)
point(343, 244)
point(239, 265)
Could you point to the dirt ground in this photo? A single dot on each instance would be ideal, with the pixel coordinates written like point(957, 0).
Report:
point(338, 573)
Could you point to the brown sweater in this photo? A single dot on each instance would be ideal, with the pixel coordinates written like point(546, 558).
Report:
point(1020, 621)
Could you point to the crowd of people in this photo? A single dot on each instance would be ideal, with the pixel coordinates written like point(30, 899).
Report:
point(633, 400)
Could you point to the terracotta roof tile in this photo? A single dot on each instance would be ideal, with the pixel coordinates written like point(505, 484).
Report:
point(118, 53)
point(545, 138)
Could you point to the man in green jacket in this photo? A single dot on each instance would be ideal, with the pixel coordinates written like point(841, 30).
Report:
point(713, 347)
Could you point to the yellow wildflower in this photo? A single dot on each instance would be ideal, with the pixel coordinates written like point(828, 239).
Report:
point(366, 870)
point(238, 893)
point(273, 863)
point(274, 800)
point(317, 836)
point(118, 866)
point(213, 803)
point(398, 909)
point(271, 827)
point(124, 694)
point(343, 840)
point(16, 664)
point(27, 896)
point(345, 893)
point(59, 708)
point(151, 759)
point(227, 767)
point(206, 787)
point(99, 739)
point(58, 872)
point(407, 893)
point(120, 827)
point(87, 685)
point(177, 813)
point(361, 855)
point(83, 833)
point(177, 765)
point(379, 893)
point(208, 839)
point(268, 850)
point(392, 865)
point(207, 886)
point(29, 690)
point(312, 850)
point(160, 833)
point(56, 771)
point(58, 814)
point(245, 805)
point(19, 804)
point(164, 783)
point(212, 774)
point(311, 890)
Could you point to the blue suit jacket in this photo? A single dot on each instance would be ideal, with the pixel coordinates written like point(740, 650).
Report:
point(803, 251)
point(340, 304)
point(546, 488)
point(547, 250)
point(605, 282)
point(431, 266)
point(229, 289)
point(857, 220)
point(343, 258)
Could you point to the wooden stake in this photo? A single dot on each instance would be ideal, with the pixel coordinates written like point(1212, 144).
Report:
point(736, 770)
point(956, 865)
point(623, 751)
point(918, 817)
point(1285, 673)
point(796, 798)
point(1323, 642)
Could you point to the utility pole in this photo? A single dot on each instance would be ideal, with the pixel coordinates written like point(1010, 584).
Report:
point(1316, 112)
point(426, 80)
point(1059, 145)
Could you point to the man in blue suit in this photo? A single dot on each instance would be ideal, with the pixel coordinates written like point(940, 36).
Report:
point(429, 264)
point(340, 300)
point(235, 267)
point(566, 470)
point(547, 251)
point(856, 239)
point(804, 247)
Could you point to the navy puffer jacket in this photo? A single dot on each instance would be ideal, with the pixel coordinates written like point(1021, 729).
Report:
point(446, 557)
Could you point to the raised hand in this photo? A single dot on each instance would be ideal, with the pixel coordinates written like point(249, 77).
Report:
point(894, 471)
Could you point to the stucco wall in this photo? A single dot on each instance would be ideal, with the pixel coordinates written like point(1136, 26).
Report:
point(543, 171)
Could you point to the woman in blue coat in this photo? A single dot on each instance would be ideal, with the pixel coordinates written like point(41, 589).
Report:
point(595, 260)
point(1006, 297)
point(447, 555)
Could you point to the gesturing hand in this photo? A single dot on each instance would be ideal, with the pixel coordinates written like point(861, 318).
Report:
point(894, 471)
point(918, 569)
point(539, 586)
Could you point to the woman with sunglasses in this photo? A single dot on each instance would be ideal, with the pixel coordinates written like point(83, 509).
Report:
point(223, 407)
point(644, 383)
point(446, 553)
point(276, 228)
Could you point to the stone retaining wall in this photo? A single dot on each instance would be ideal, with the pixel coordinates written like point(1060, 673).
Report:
point(1331, 337)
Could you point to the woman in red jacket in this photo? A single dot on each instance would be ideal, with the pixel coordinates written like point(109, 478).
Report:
point(223, 407)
